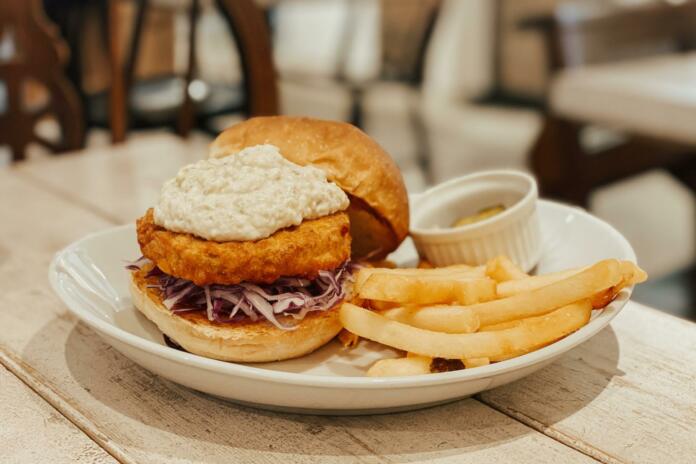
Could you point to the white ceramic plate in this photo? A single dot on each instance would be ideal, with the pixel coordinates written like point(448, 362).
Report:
point(89, 276)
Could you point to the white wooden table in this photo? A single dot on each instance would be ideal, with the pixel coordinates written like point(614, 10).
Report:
point(627, 395)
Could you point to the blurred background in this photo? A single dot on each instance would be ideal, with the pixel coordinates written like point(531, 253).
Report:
point(596, 98)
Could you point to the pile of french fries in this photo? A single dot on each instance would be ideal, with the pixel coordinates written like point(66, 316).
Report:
point(476, 315)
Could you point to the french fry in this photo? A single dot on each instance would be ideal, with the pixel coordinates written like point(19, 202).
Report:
point(631, 273)
point(599, 300)
point(456, 271)
point(447, 319)
point(382, 264)
point(542, 300)
point(464, 317)
point(596, 280)
point(348, 339)
point(502, 269)
point(379, 305)
point(470, 363)
point(410, 365)
point(509, 324)
point(500, 326)
point(529, 283)
point(531, 334)
point(510, 355)
point(603, 298)
point(434, 289)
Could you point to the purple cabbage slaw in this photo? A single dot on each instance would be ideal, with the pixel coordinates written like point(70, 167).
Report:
point(287, 296)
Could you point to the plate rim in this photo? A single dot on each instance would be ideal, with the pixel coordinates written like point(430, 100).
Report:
point(257, 373)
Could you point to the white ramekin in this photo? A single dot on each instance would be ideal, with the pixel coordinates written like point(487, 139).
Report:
point(515, 232)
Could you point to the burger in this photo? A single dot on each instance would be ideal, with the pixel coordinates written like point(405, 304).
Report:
point(248, 254)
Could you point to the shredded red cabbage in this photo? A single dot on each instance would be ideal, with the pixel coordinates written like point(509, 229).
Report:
point(287, 296)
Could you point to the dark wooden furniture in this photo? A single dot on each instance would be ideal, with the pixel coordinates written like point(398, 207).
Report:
point(594, 32)
point(248, 26)
point(34, 82)
point(406, 27)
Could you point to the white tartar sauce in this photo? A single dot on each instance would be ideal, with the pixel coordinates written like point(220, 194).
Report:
point(245, 196)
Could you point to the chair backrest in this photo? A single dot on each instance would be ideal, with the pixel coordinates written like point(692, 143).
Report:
point(309, 36)
point(588, 32)
point(407, 27)
point(522, 70)
point(650, 28)
point(460, 56)
point(35, 87)
point(353, 40)
point(248, 25)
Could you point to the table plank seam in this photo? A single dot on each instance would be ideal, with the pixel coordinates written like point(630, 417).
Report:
point(32, 379)
point(366, 447)
point(68, 197)
point(575, 443)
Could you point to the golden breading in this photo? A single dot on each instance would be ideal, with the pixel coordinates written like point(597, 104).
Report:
point(314, 245)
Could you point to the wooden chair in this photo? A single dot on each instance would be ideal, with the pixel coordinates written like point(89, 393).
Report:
point(248, 26)
point(35, 68)
point(406, 28)
point(583, 33)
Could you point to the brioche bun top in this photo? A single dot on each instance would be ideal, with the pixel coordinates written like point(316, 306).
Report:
point(378, 211)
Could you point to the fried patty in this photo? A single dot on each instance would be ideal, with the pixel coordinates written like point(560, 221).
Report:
point(304, 250)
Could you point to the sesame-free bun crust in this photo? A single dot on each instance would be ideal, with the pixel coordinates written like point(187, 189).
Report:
point(240, 341)
point(354, 161)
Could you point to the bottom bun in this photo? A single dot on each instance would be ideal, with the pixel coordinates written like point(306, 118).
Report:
point(244, 341)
